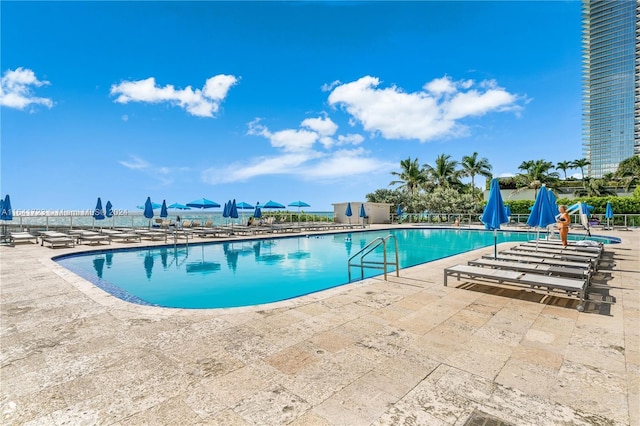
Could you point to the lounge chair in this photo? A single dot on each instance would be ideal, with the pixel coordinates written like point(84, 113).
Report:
point(570, 286)
point(587, 251)
point(16, 237)
point(522, 251)
point(544, 260)
point(54, 238)
point(560, 251)
point(536, 268)
point(91, 237)
point(122, 236)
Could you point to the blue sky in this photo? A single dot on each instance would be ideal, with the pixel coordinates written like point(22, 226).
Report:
point(312, 101)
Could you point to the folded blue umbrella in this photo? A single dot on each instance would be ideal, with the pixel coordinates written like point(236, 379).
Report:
point(109, 209)
point(609, 211)
point(98, 213)
point(6, 213)
point(494, 213)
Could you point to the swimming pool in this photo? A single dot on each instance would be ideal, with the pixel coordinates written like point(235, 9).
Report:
point(251, 272)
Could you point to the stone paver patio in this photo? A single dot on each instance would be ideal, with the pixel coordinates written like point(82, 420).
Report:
point(407, 351)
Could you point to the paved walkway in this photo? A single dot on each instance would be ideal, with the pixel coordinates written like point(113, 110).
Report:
point(404, 352)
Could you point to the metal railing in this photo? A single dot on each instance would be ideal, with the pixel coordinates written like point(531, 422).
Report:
point(618, 221)
point(369, 248)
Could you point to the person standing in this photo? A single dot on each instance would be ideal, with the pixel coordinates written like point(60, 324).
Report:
point(563, 225)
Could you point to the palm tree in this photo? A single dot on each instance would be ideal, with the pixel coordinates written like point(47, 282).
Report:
point(564, 165)
point(411, 177)
point(580, 164)
point(536, 174)
point(629, 172)
point(594, 188)
point(444, 174)
point(472, 166)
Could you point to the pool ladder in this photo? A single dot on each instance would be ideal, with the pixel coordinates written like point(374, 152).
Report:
point(360, 261)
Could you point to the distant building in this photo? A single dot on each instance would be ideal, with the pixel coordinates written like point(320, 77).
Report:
point(611, 83)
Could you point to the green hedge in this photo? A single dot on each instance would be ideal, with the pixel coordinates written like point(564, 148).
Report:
point(620, 205)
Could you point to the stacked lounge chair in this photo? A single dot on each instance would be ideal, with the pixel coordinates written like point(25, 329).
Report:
point(122, 236)
point(545, 268)
point(55, 238)
point(20, 236)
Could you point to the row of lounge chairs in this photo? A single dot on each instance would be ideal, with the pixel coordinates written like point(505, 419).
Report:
point(186, 230)
point(538, 265)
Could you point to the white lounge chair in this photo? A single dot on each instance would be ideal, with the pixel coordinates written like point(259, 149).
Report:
point(551, 255)
point(570, 286)
point(54, 238)
point(536, 268)
point(16, 237)
point(543, 260)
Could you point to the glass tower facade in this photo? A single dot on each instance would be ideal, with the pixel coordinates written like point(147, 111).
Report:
point(611, 83)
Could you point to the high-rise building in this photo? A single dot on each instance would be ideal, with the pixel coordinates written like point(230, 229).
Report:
point(611, 83)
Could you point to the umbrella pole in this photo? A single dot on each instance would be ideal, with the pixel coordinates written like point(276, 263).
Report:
point(495, 244)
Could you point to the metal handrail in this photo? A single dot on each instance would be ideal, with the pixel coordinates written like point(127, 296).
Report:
point(375, 243)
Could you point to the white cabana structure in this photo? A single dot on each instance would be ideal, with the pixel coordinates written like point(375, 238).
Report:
point(375, 212)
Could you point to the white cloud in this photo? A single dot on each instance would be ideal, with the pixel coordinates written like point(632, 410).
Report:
point(201, 103)
point(300, 156)
point(425, 115)
point(16, 89)
point(345, 163)
point(507, 174)
point(164, 174)
point(350, 139)
point(290, 140)
point(135, 163)
point(322, 125)
point(239, 172)
point(310, 165)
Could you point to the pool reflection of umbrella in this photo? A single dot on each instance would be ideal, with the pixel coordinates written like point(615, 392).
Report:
point(231, 256)
point(363, 213)
point(494, 213)
point(348, 212)
point(98, 265)
point(164, 255)
point(608, 213)
point(203, 203)
point(148, 264)
point(148, 210)
point(163, 209)
point(109, 259)
point(542, 213)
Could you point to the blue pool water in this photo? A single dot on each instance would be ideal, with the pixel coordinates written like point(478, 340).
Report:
point(244, 273)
